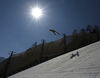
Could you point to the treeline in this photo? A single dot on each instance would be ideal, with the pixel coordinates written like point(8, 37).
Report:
point(88, 29)
point(86, 36)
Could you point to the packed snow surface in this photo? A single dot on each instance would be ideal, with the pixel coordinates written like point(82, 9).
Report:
point(86, 65)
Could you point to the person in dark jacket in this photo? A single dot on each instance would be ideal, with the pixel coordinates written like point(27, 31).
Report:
point(54, 32)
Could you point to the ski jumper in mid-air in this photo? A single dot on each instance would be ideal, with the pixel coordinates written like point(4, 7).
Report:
point(54, 32)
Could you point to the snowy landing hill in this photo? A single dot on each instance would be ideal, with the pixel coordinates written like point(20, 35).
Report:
point(87, 65)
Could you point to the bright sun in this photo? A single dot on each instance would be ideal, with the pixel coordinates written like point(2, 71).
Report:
point(37, 12)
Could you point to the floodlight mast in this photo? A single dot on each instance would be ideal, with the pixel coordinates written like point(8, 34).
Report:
point(42, 49)
point(7, 64)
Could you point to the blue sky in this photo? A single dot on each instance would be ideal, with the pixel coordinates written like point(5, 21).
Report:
point(19, 30)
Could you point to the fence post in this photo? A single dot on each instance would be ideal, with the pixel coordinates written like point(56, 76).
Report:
point(42, 48)
point(86, 40)
point(65, 42)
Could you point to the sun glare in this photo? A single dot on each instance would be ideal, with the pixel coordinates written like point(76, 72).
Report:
point(37, 12)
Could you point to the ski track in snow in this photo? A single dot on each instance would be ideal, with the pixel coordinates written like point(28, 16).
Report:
point(87, 65)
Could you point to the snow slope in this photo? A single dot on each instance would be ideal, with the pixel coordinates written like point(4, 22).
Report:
point(87, 65)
